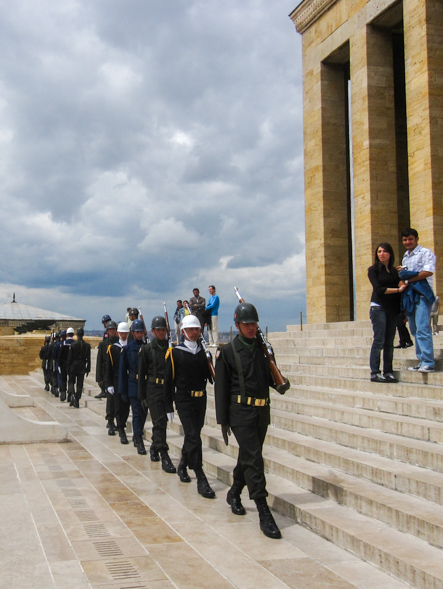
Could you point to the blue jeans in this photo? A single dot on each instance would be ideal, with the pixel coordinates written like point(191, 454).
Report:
point(421, 330)
point(384, 325)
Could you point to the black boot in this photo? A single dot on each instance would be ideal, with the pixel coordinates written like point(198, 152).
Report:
point(71, 400)
point(63, 396)
point(233, 499)
point(101, 395)
point(47, 387)
point(183, 473)
point(203, 486)
point(55, 392)
point(153, 453)
point(267, 522)
point(77, 403)
point(111, 427)
point(138, 442)
point(122, 434)
point(167, 465)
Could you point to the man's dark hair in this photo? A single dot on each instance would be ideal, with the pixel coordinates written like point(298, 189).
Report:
point(212, 286)
point(195, 289)
point(409, 231)
point(179, 301)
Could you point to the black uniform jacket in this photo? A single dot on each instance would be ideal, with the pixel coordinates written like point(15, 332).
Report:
point(102, 350)
point(186, 372)
point(256, 374)
point(112, 360)
point(79, 358)
point(151, 368)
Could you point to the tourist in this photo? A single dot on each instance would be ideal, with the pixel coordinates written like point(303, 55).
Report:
point(212, 307)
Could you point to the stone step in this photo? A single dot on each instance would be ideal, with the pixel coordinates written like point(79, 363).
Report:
point(401, 554)
point(401, 389)
point(412, 407)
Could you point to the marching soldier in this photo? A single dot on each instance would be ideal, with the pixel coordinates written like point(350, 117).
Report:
point(79, 365)
point(55, 346)
point(128, 385)
point(62, 360)
point(187, 371)
point(45, 357)
point(151, 370)
point(242, 400)
point(102, 348)
point(117, 406)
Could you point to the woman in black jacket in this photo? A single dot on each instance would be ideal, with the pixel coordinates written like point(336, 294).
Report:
point(385, 307)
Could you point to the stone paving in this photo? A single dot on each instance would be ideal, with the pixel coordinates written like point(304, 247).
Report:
point(92, 513)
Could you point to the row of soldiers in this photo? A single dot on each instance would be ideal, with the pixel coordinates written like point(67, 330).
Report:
point(153, 376)
point(65, 363)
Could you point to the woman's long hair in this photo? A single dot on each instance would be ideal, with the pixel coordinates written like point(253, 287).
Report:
point(386, 246)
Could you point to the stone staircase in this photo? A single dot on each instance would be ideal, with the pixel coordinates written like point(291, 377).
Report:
point(359, 463)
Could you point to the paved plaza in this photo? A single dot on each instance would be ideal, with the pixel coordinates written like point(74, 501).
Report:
point(92, 513)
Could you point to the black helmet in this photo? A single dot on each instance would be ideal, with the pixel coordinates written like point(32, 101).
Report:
point(80, 331)
point(111, 325)
point(158, 322)
point(47, 338)
point(138, 325)
point(133, 311)
point(63, 333)
point(106, 318)
point(245, 313)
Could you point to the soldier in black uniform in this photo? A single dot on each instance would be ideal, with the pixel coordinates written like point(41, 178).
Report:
point(79, 365)
point(100, 371)
point(151, 371)
point(120, 408)
point(242, 381)
point(62, 360)
point(54, 345)
point(45, 357)
point(187, 371)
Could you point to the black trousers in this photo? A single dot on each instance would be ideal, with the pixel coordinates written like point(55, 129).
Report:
point(47, 375)
point(156, 404)
point(191, 411)
point(249, 426)
point(75, 384)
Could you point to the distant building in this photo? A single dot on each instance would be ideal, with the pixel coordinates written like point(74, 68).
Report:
point(16, 318)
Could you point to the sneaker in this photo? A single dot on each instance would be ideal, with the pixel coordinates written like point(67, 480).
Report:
point(378, 378)
point(389, 377)
point(426, 369)
point(414, 368)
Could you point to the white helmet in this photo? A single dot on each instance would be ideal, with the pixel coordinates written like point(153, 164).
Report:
point(190, 321)
point(123, 327)
point(70, 331)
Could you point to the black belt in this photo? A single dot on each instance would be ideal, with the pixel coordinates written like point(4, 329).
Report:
point(153, 380)
point(253, 401)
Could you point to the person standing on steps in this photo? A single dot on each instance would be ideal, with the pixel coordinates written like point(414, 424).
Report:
point(384, 311)
point(242, 381)
point(186, 375)
point(79, 365)
point(151, 372)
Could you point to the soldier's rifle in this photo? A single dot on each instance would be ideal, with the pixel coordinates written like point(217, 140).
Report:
point(201, 341)
point(279, 379)
point(168, 328)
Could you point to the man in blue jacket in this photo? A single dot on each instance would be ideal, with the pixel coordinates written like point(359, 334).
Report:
point(128, 383)
point(212, 308)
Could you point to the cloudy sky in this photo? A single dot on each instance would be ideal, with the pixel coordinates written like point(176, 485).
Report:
point(147, 147)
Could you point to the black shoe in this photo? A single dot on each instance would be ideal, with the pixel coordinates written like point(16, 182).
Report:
point(233, 499)
point(167, 465)
point(72, 401)
point(47, 387)
point(140, 446)
point(122, 434)
point(102, 395)
point(204, 488)
point(62, 397)
point(153, 453)
point(408, 345)
point(378, 378)
point(77, 403)
point(183, 473)
point(398, 347)
point(267, 522)
point(111, 428)
point(389, 377)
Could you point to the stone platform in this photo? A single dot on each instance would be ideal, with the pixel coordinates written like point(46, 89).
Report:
point(91, 513)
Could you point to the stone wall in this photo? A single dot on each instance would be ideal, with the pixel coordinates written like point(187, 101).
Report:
point(20, 354)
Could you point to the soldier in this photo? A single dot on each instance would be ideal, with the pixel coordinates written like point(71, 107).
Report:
point(45, 357)
point(105, 320)
point(79, 365)
point(242, 400)
point(187, 371)
point(62, 360)
point(120, 407)
point(128, 385)
point(151, 370)
point(54, 346)
point(111, 338)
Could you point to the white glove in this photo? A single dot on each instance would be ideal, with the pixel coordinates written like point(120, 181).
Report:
point(59, 370)
point(170, 417)
point(111, 390)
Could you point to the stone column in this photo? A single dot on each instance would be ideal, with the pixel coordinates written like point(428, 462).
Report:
point(326, 194)
point(423, 33)
point(374, 155)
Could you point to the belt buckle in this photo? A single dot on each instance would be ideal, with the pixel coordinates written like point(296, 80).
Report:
point(260, 402)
